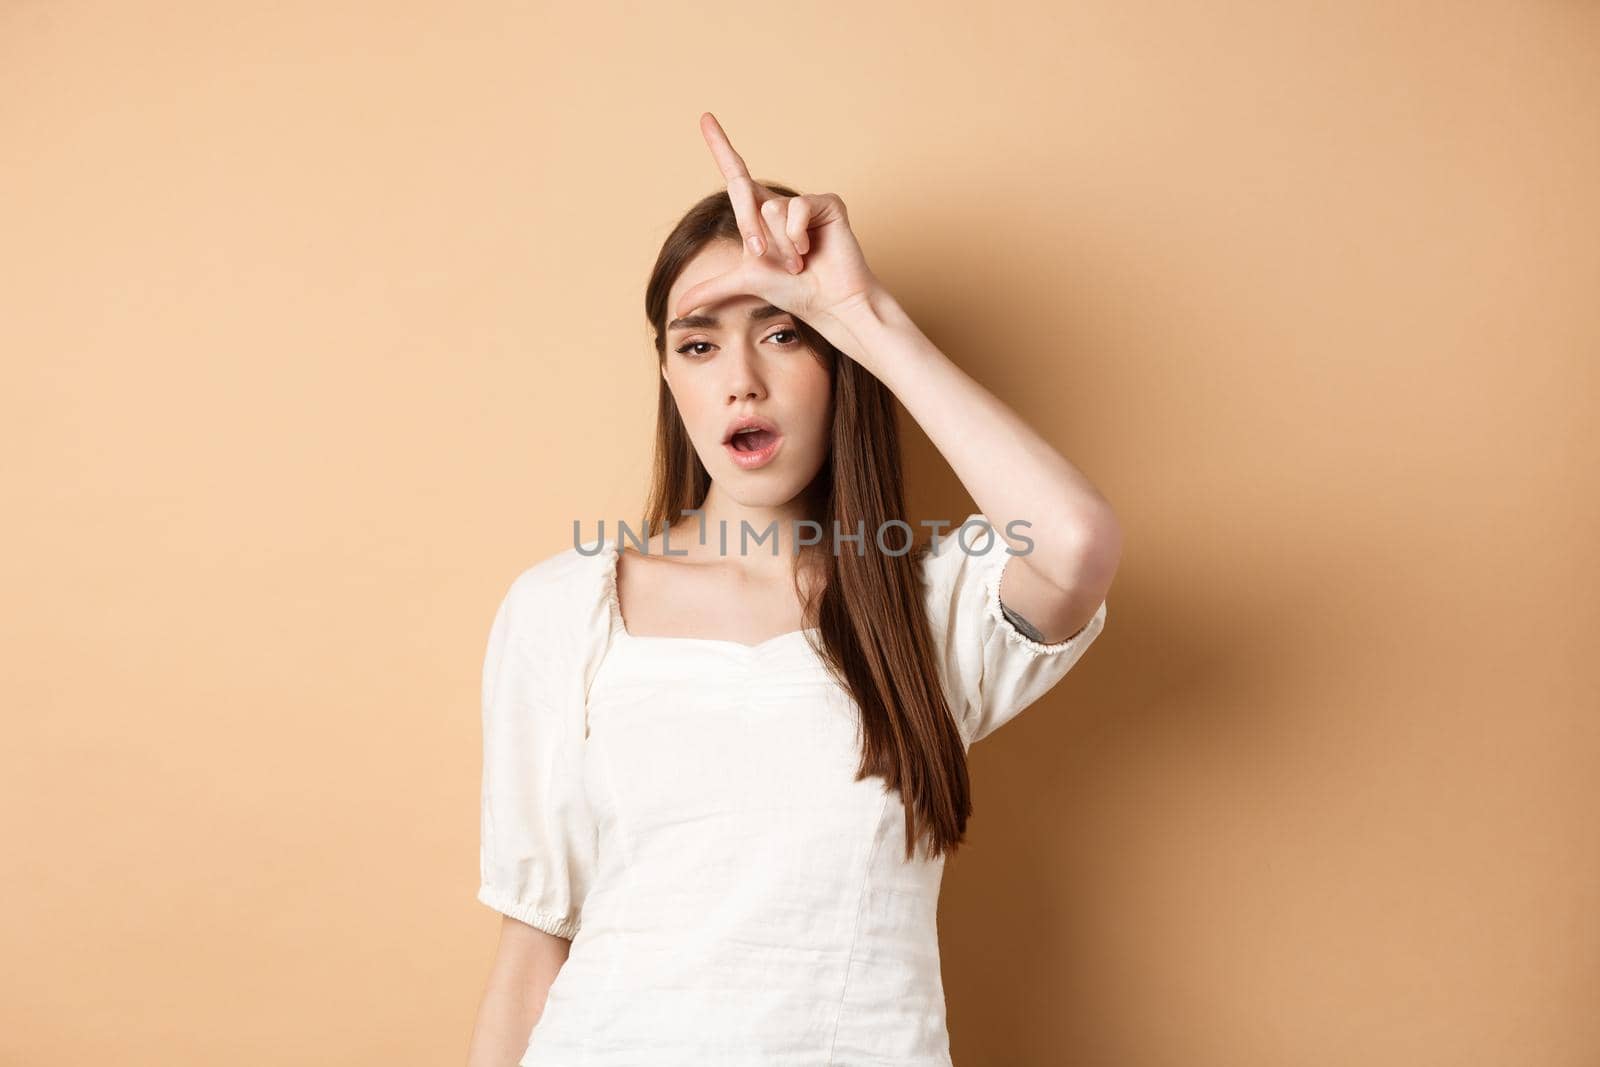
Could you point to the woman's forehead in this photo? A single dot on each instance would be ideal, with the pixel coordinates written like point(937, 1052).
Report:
point(716, 258)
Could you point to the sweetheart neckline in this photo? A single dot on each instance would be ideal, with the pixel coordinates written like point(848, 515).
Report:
point(613, 601)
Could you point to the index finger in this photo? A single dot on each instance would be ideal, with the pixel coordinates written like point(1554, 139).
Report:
point(728, 161)
point(741, 188)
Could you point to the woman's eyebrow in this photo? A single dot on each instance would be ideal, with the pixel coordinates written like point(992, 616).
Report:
point(698, 322)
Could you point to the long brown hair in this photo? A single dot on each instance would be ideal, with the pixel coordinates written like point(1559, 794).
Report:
point(869, 610)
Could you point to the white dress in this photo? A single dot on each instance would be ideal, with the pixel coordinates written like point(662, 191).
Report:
point(733, 894)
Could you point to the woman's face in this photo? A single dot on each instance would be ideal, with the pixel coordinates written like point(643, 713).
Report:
point(722, 364)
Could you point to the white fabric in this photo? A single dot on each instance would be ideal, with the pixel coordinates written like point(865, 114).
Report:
point(733, 894)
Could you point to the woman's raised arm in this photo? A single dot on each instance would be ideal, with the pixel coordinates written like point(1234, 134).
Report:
point(801, 255)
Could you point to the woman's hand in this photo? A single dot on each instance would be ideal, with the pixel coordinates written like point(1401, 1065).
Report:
point(778, 231)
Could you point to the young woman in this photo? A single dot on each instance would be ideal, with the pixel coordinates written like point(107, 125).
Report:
point(721, 781)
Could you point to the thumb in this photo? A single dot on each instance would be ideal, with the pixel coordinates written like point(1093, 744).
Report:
point(736, 282)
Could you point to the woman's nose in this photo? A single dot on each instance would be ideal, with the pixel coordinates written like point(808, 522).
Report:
point(744, 372)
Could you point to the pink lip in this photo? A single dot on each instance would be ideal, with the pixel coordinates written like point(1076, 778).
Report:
point(747, 420)
point(759, 458)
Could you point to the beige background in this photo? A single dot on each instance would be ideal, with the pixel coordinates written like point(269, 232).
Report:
point(322, 321)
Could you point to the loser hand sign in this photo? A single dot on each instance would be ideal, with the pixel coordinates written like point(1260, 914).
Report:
point(799, 251)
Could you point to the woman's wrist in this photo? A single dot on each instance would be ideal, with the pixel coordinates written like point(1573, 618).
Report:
point(866, 325)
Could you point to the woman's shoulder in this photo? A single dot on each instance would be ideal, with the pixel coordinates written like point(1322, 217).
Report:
point(555, 586)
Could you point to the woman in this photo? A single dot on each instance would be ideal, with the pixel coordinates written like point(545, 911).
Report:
point(708, 767)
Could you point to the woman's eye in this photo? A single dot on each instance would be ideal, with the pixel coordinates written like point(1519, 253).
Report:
point(685, 349)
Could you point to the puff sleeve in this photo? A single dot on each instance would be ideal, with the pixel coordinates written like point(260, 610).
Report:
point(992, 671)
point(538, 843)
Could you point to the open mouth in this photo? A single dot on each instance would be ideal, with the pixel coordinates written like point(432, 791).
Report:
point(753, 448)
point(752, 440)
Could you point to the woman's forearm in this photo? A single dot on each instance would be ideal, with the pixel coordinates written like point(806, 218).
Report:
point(1011, 471)
point(506, 1016)
point(525, 965)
